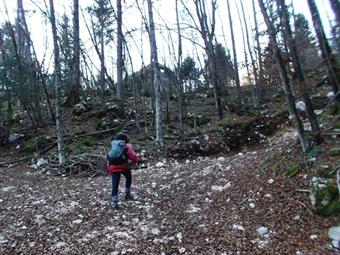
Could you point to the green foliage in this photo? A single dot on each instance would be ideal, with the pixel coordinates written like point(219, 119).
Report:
point(104, 17)
point(81, 144)
point(224, 65)
point(324, 171)
point(314, 152)
point(337, 124)
point(34, 144)
point(334, 151)
point(228, 124)
point(292, 170)
point(200, 120)
point(329, 204)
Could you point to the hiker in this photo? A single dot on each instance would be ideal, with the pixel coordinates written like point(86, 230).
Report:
point(121, 165)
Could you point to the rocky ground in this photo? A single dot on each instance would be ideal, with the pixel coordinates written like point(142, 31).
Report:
point(231, 204)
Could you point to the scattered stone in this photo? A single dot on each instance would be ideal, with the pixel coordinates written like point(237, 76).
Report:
point(334, 234)
point(8, 188)
point(14, 137)
point(238, 227)
point(296, 218)
point(221, 188)
point(300, 105)
point(262, 231)
point(159, 164)
point(78, 221)
point(330, 94)
point(181, 250)
point(41, 162)
point(270, 181)
point(155, 231)
point(313, 237)
point(179, 237)
point(252, 205)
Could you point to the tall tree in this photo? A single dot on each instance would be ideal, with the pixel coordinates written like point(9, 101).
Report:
point(156, 75)
point(331, 66)
point(57, 87)
point(284, 78)
point(120, 61)
point(237, 76)
point(207, 31)
point(288, 35)
point(254, 67)
point(179, 66)
point(74, 96)
point(101, 34)
point(259, 56)
point(306, 44)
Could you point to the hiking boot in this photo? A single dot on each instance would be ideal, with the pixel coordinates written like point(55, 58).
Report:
point(128, 196)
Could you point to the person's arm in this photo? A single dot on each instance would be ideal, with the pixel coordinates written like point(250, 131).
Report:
point(131, 154)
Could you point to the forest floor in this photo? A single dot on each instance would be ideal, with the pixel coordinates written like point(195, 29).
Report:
point(228, 204)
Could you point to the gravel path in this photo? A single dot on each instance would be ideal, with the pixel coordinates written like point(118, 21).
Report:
point(228, 205)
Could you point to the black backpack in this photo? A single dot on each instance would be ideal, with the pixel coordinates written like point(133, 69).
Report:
point(117, 153)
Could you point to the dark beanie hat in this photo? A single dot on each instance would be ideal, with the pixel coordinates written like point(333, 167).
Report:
point(122, 136)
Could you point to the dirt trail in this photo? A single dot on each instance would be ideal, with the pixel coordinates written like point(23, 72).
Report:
point(202, 206)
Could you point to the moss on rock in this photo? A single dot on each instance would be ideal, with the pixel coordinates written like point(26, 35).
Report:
point(324, 197)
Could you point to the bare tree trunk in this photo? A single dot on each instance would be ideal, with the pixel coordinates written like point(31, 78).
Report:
point(74, 96)
point(156, 76)
point(120, 61)
point(326, 51)
point(246, 56)
point(207, 32)
point(57, 86)
point(288, 35)
point(179, 64)
point(285, 80)
point(237, 76)
point(259, 56)
point(102, 54)
point(257, 93)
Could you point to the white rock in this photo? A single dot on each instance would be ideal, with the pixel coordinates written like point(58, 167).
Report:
point(187, 161)
point(270, 181)
point(18, 147)
point(78, 221)
point(15, 136)
point(159, 164)
point(240, 154)
point(334, 233)
point(330, 94)
point(313, 237)
point(59, 245)
point(300, 105)
point(268, 195)
point(336, 244)
point(221, 159)
point(179, 237)
point(153, 185)
point(238, 227)
point(42, 162)
point(296, 218)
point(221, 188)
point(193, 209)
point(252, 205)
point(8, 188)
point(262, 231)
point(155, 231)
point(181, 250)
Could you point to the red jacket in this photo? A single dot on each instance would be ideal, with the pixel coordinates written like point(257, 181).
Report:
point(131, 155)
